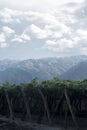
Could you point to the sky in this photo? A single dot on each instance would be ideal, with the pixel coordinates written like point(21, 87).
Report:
point(42, 28)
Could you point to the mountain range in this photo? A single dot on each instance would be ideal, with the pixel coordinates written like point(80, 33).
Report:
point(66, 68)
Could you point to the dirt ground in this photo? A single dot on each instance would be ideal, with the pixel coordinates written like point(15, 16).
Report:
point(12, 126)
point(23, 125)
point(33, 127)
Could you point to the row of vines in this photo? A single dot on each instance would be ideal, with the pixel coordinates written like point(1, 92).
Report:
point(53, 91)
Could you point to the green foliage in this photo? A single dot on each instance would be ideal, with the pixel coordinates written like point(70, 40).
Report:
point(49, 85)
point(51, 89)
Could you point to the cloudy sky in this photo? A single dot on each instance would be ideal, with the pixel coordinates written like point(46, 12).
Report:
point(42, 28)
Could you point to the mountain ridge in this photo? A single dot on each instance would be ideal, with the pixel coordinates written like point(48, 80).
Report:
point(77, 72)
point(44, 69)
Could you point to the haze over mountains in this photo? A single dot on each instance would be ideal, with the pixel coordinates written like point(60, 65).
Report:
point(69, 68)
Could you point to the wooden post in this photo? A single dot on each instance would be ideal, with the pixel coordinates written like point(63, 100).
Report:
point(58, 104)
point(9, 104)
point(26, 104)
point(66, 112)
point(70, 108)
point(45, 105)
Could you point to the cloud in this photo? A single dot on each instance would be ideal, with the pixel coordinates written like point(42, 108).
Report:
point(23, 38)
point(63, 45)
point(59, 45)
point(82, 34)
point(51, 43)
point(2, 37)
point(38, 32)
point(32, 4)
point(53, 31)
point(62, 29)
point(5, 15)
point(75, 39)
point(38, 5)
point(9, 15)
point(7, 31)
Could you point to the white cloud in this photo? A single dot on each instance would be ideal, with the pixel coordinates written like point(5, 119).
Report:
point(38, 32)
point(62, 44)
point(49, 20)
point(5, 15)
point(23, 38)
point(66, 43)
point(82, 34)
point(51, 43)
point(41, 5)
point(2, 37)
point(63, 28)
point(52, 31)
point(9, 15)
point(17, 39)
point(7, 31)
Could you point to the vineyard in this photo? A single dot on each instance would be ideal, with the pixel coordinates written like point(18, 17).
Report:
point(52, 102)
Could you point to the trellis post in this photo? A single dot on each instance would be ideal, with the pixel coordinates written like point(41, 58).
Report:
point(26, 104)
point(45, 105)
point(9, 104)
point(70, 109)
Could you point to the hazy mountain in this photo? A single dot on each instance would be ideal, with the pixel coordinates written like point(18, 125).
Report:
point(78, 72)
point(6, 63)
point(47, 68)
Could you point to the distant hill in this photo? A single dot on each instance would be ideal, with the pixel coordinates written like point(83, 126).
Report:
point(44, 69)
point(77, 72)
point(4, 64)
